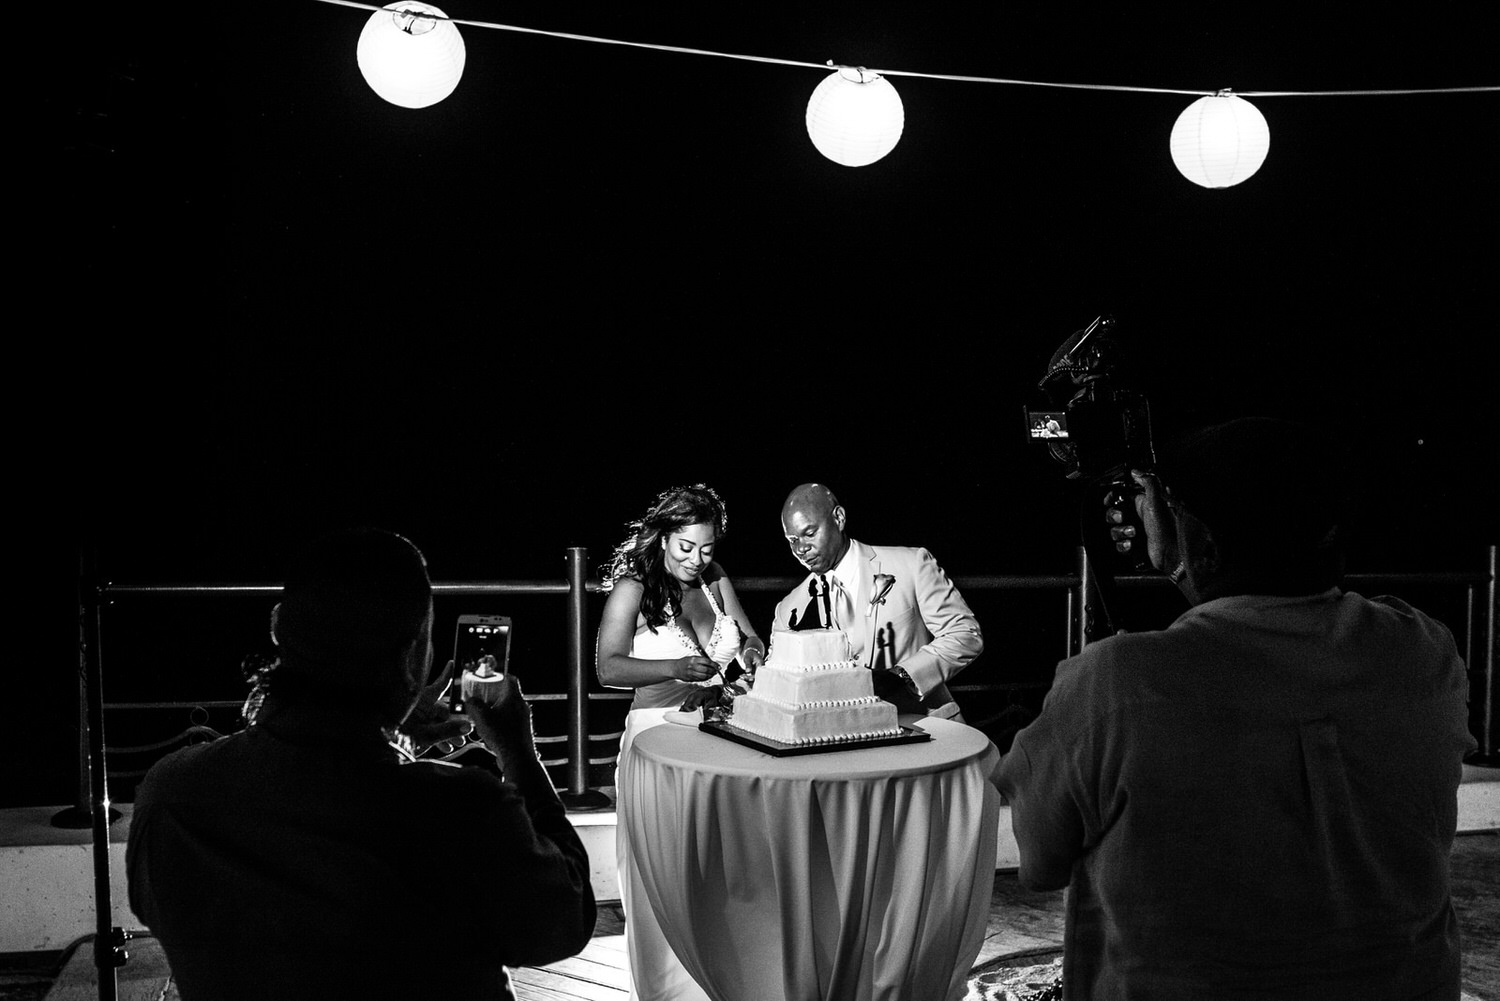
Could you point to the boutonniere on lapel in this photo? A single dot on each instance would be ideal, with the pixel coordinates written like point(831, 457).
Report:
point(881, 586)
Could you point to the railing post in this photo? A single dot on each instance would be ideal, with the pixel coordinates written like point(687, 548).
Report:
point(578, 795)
point(578, 703)
point(1078, 604)
point(1489, 752)
point(81, 814)
point(109, 941)
point(1088, 598)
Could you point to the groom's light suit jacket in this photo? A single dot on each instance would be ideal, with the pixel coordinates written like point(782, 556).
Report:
point(924, 620)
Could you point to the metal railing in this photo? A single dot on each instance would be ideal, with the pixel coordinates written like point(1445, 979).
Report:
point(1082, 621)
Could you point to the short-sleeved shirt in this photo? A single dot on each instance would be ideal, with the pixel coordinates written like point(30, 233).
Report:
point(1257, 802)
point(299, 859)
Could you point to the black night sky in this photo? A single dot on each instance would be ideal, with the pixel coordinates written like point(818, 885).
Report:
point(503, 323)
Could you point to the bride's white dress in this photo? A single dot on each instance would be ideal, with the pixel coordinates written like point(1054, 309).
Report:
point(656, 974)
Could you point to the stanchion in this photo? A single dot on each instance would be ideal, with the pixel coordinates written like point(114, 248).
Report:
point(81, 814)
point(109, 942)
point(1078, 605)
point(1095, 620)
point(1482, 693)
point(578, 795)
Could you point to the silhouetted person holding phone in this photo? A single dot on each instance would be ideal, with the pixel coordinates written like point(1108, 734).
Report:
point(307, 858)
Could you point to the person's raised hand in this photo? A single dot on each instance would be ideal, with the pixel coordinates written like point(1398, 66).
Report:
point(430, 725)
point(1155, 513)
point(499, 710)
point(1125, 536)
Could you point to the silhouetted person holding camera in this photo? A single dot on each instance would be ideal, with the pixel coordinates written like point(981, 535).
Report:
point(1259, 800)
point(306, 858)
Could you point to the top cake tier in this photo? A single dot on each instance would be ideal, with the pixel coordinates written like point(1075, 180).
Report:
point(809, 647)
point(810, 688)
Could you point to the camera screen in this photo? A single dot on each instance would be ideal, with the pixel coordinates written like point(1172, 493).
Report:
point(1049, 424)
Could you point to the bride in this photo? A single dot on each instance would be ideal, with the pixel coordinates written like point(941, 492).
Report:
point(672, 622)
point(672, 629)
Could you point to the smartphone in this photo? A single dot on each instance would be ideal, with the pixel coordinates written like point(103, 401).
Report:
point(478, 640)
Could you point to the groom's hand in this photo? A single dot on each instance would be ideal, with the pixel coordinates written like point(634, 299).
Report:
point(708, 695)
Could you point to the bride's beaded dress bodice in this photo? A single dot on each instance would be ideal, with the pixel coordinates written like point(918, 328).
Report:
point(670, 641)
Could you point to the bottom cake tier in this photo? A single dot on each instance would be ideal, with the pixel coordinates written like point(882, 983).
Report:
point(816, 723)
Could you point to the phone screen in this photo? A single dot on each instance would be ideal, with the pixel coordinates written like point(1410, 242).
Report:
point(480, 641)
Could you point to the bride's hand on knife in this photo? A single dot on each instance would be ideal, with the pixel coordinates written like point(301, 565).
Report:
point(695, 668)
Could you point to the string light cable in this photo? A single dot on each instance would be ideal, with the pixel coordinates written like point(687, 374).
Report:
point(411, 55)
point(960, 78)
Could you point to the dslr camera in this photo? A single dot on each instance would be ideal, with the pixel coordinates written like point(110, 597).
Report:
point(1097, 426)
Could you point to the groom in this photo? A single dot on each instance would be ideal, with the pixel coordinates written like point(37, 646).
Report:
point(915, 637)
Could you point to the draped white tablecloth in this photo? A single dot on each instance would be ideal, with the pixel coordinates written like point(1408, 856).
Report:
point(862, 874)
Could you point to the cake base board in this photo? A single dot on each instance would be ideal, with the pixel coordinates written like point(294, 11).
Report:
point(780, 749)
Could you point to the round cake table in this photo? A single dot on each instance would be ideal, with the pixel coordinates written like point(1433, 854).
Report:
point(862, 873)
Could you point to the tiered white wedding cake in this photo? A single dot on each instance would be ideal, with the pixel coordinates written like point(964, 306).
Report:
point(810, 691)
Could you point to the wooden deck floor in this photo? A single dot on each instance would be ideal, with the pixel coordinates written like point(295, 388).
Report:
point(598, 973)
point(1023, 926)
point(1024, 929)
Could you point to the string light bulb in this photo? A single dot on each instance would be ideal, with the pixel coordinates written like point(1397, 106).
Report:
point(410, 60)
point(1220, 140)
point(855, 117)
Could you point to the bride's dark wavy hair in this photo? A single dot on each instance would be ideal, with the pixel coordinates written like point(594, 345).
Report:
point(639, 557)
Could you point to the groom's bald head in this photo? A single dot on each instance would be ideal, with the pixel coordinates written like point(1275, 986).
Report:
point(814, 499)
point(812, 519)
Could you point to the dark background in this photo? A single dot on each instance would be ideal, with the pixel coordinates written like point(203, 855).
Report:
point(274, 303)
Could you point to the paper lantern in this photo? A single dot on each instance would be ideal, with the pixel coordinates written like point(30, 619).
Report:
point(410, 60)
point(1219, 141)
point(854, 117)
